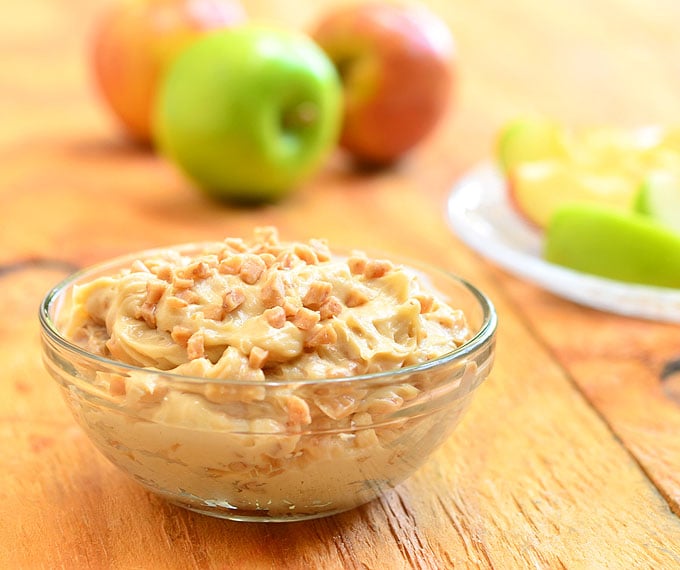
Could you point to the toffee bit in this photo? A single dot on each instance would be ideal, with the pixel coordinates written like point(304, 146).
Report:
point(330, 308)
point(147, 312)
point(164, 273)
point(230, 265)
point(236, 244)
point(233, 300)
point(298, 411)
point(276, 317)
point(117, 386)
point(175, 303)
point(181, 335)
point(268, 258)
point(286, 260)
point(252, 269)
point(214, 312)
point(305, 319)
point(317, 293)
point(321, 248)
point(357, 264)
point(306, 254)
point(182, 283)
point(268, 235)
point(377, 268)
point(273, 291)
point(257, 357)
point(426, 302)
point(191, 297)
point(291, 305)
point(356, 297)
point(196, 346)
point(321, 334)
point(154, 291)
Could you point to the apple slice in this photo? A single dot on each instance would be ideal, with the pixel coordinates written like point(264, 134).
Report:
point(622, 246)
point(530, 139)
point(538, 189)
point(548, 166)
point(659, 198)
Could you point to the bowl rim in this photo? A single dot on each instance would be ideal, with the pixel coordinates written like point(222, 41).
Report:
point(485, 333)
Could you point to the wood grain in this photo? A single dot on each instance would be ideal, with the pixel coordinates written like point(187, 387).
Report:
point(568, 457)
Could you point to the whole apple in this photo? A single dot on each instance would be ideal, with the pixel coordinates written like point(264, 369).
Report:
point(248, 113)
point(136, 40)
point(398, 69)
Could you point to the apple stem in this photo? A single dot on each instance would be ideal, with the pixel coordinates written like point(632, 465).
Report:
point(301, 115)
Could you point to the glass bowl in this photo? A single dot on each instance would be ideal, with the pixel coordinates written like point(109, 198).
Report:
point(220, 447)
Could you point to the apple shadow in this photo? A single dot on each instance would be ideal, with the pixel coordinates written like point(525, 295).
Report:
point(112, 146)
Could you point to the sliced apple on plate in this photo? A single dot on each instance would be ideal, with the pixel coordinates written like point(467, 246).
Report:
point(659, 198)
point(627, 247)
point(547, 165)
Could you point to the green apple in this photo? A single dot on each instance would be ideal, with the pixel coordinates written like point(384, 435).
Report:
point(249, 113)
point(659, 198)
point(622, 246)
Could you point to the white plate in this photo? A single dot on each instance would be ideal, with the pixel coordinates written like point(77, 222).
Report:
point(480, 213)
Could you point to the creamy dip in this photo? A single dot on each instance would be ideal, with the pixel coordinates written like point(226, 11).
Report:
point(262, 310)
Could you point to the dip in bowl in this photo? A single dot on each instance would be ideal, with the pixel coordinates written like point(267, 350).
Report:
point(261, 380)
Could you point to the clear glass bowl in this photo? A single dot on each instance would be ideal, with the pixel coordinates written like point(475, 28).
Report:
point(219, 448)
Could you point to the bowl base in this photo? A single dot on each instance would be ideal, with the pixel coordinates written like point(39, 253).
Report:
point(229, 512)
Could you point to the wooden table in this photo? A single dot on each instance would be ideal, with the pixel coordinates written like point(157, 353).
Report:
point(570, 454)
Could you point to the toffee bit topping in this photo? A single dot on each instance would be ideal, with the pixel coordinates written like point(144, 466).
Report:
point(273, 291)
point(305, 319)
point(291, 305)
point(196, 346)
point(188, 295)
point(377, 268)
point(174, 303)
point(230, 265)
point(181, 335)
point(164, 273)
point(321, 334)
point(330, 308)
point(182, 283)
point(154, 291)
point(295, 297)
point(214, 312)
point(236, 244)
point(317, 293)
point(252, 269)
point(357, 264)
point(257, 358)
point(233, 300)
point(306, 254)
point(426, 302)
point(275, 316)
point(356, 297)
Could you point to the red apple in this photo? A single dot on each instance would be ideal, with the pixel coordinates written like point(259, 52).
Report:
point(398, 67)
point(135, 42)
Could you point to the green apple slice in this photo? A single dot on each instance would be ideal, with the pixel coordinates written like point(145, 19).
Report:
point(622, 246)
point(659, 198)
point(529, 140)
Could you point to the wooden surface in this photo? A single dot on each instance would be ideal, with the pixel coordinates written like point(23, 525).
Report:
point(570, 454)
